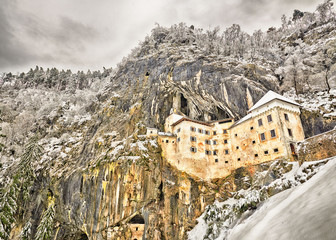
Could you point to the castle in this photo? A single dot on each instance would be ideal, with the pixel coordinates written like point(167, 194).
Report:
point(213, 149)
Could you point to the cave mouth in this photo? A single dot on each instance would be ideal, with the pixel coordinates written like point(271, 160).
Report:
point(137, 219)
point(219, 114)
point(83, 236)
point(184, 105)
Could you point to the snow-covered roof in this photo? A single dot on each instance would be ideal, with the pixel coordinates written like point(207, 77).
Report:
point(270, 96)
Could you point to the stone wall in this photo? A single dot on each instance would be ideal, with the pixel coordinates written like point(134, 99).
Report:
point(317, 147)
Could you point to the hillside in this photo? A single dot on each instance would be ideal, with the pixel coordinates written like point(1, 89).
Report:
point(75, 163)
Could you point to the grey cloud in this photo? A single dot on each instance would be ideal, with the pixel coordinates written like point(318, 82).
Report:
point(12, 51)
point(83, 34)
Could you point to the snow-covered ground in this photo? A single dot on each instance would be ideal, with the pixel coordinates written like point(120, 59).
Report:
point(305, 212)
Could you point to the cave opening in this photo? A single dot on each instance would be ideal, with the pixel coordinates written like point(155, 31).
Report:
point(83, 236)
point(184, 105)
point(222, 114)
point(137, 219)
point(161, 196)
point(219, 114)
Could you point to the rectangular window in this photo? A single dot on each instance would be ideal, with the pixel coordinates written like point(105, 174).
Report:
point(260, 122)
point(226, 151)
point(225, 141)
point(193, 139)
point(262, 137)
point(256, 155)
point(251, 128)
point(276, 150)
point(214, 142)
point(236, 135)
point(179, 130)
point(207, 132)
point(286, 117)
point(215, 152)
point(178, 139)
point(253, 142)
point(207, 142)
point(237, 147)
point(214, 133)
point(273, 135)
point(290, 132)
point(200, 130)
point(216, 160)
point(193, 149)
point(207, 152)
point(192, 129)
point(266, 152)
point(238, 159)
point(269, 118)
point(167, 141)
point(226, 161)
point(224, 131)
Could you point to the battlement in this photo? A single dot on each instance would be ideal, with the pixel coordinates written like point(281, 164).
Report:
point(213, 149)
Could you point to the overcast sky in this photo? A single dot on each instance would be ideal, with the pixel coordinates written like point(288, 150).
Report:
point(90, 34)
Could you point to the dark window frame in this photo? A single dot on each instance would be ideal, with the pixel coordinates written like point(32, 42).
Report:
point(262, 137)
point(260, 122)
point(193, 149)
point(273, 131)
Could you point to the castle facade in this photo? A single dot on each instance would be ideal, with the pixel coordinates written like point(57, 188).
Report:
point(213, 149)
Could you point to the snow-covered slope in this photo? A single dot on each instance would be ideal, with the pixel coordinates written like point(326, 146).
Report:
point(307, 211)
point(304, 211)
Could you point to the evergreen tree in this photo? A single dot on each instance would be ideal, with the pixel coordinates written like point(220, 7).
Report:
point(15, 196)
point(44, 229)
